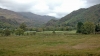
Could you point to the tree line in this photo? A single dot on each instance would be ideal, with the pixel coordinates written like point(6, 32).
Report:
point(19, 31)
point(83, 28)
point(88, 28)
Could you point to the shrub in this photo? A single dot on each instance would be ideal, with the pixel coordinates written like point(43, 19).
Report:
point(54, 32)
point(39, 30)
point(79, 27)
point(88, 28)
point(6, 32)
point(19, 31)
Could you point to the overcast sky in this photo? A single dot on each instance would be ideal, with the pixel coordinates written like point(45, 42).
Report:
point(57, 8)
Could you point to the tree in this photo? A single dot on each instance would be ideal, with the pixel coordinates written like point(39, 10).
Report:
point(79, 27)
point(6, 32)
point(39, 30)
point(19, 31)
point(54, 32)
point(88, 28)
point(97, 28)
point(23, 26)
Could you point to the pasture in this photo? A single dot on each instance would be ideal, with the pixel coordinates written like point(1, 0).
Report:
point(48, 44)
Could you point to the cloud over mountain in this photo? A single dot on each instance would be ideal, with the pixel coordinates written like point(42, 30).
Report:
point(57, 8)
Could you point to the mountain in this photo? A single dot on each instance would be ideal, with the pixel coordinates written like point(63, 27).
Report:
point(10, 18)
point(37, 19)
point(52, 22)
point(7, 23)
point(8, 14)
point(82, 15)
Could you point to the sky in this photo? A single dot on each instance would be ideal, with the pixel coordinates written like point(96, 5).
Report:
point(56, 8)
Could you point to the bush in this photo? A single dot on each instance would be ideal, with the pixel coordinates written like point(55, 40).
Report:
point(23, 26)
point(79, 27)
point(54, 32)
point(19, 31)
point(97, 28)
point(6, 32)
point(88, 28)
point(39, 30)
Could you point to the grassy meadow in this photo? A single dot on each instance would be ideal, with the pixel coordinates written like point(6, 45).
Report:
point(49, 44)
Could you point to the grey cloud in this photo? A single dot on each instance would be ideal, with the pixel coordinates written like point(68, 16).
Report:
point(11, 5)
point(92, 2)
point(53, 5)
point(14, 6)
point(61, 14)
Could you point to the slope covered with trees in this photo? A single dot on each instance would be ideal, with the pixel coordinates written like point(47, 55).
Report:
point(38, 20)
point(7, 23)
point(82, 15)
point(11, 18)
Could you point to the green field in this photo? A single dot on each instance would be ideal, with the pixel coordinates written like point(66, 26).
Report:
point(48, 44)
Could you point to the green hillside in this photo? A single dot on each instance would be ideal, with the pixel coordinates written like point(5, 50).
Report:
point(7, 23)
point(81, 15)
point(37, 20)
point(11, 18)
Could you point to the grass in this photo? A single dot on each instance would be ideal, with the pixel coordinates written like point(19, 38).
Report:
point(50, 45)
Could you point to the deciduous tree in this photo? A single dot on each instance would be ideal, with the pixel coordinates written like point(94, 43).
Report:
point(79, 27)
point(88, 28)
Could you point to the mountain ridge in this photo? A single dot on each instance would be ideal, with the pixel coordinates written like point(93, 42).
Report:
point(19, 18)
point(82, 15)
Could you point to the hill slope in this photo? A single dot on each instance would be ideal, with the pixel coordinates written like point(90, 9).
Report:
point(12, 15)
point(81, 15)
point(7, 23)
point(37, 19)
point(10, 18)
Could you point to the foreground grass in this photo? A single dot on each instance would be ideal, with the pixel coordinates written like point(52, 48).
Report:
point(50, 45)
